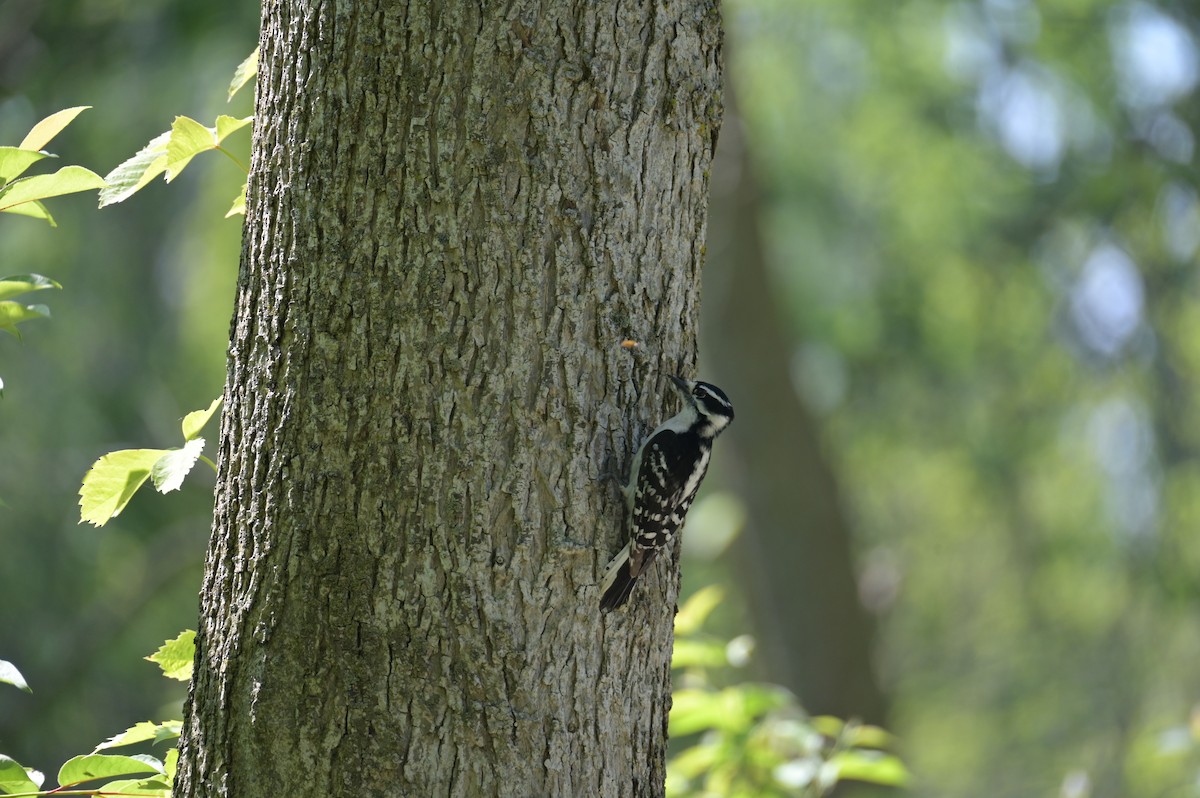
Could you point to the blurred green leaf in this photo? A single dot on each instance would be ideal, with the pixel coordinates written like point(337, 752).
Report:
point(828, 725)
point(14, 778)
point(68, 180)
point(175, 656)
point(170, 469)
point(51, 126)
point(867, 736)
point(869, 766)
point(244, 72)
point(130, 176)
point(90, 767)
point(24, 283)
point(112, 481)
point(194, 422)
point(171, 762)
point(691, 653)
point(695, 610)
point(10, 675)
point(14, 161)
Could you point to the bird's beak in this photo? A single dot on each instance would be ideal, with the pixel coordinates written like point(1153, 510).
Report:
point(681, 384)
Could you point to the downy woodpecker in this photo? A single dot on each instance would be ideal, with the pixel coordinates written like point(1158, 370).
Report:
point(666, 473)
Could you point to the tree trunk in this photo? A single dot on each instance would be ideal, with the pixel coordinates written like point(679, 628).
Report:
point(795, 558)
point(456, 213)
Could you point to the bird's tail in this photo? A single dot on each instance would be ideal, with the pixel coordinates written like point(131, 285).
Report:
point(618, 581)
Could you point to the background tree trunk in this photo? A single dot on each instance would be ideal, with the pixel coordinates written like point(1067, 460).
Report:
point(796, 555)
point(456, 213)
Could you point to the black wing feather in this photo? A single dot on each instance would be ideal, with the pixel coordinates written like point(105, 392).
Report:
point(659, 506)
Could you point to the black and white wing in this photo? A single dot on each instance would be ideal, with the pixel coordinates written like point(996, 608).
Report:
point(672, 466)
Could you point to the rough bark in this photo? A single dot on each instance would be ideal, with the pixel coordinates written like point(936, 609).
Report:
point(456, 212)
point(795, 558)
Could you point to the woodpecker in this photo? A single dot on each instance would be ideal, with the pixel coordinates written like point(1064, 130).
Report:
point(666, 473)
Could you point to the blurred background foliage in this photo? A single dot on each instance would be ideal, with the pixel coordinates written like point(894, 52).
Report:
point(952, 288)
point(137, 340)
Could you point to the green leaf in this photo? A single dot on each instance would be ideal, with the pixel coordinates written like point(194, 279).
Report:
point(175, 656)
point(698, 654)
point(33, 209)
point(869, 766)
point(154, 787)
point(146, 730)
point(230, 124)
point(50, 127)
point(112, 481)
point(90, 767)
point(246, 70)
point(694, 711)
point(171, 760)
point(239, 203)
point(194, 422)
point(10, 675)
point(130, 176)
point(694, 761)
point(189, 138)
point(170, 469)
point(867, 736)
point(14, 161)
point(68, 180)
point(14, 778)
point(696, 609)
point(13, 313)
point(23, 284)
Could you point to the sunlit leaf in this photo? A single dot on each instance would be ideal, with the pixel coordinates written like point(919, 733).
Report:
point(14, 778)
point(90, 767)
point(175, 656)
point(158, 787)
point(244, 72)
point(10, 675)
point(68, 180)
point(170, 469)
point(230, 124)
point(189, 138)
point(13, 313)
point(14, 161)
point(194, 422)
point(171, 760)
point(50, 127)
point(24, 283)
point(239, 203)
point(148, 163)
point(33, 209)
point(112, 481)
point(146, 730)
